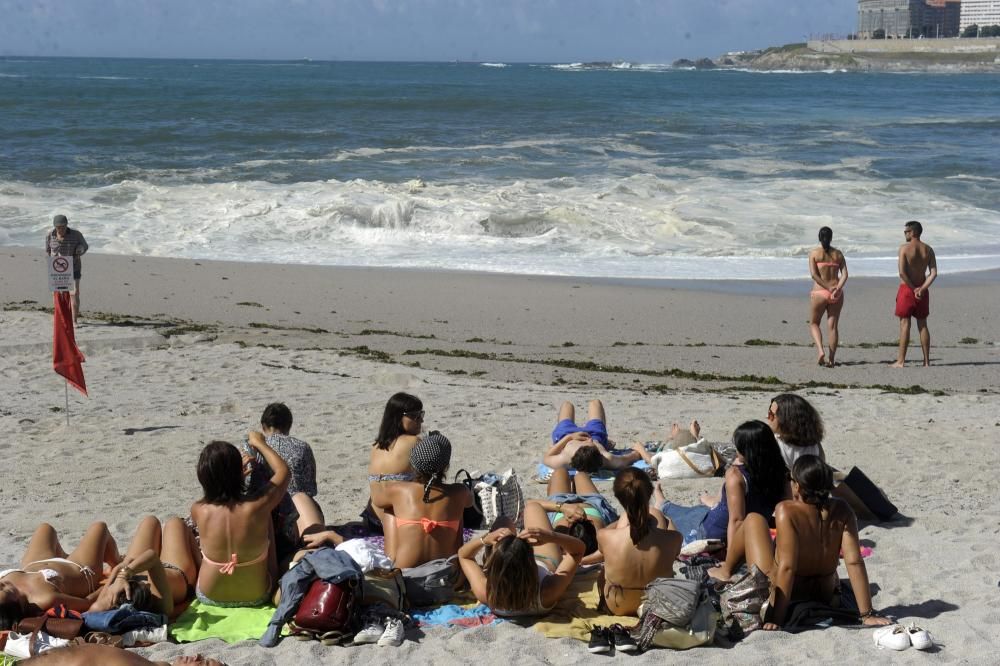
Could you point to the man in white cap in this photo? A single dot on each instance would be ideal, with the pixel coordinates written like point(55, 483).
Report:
point(65, 242)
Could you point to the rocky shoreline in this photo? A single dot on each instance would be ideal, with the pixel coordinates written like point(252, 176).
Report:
point(802, 58)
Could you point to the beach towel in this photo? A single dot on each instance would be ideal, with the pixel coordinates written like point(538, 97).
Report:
point(465, 616)
point(232, 625)
point(577, 612)
point(543, 472)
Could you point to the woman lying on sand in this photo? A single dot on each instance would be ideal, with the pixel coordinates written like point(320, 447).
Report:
point(828, 269)
point(238, 564)
point(755, 483)
point(167, 557)
point(812, 530)
point(526, 573)
point(390, 455)
point(574, 501)
point(427, 513)
point(48, 576)
point(105, 655)
point(638, 548)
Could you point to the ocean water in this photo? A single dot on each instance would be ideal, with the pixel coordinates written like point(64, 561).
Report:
point(565, 169)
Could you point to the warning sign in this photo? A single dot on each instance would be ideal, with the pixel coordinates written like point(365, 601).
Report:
point(61, 274)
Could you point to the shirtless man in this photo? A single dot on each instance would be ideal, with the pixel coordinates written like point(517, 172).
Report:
point(105, 655)
point(584, 448)
point(917, 270)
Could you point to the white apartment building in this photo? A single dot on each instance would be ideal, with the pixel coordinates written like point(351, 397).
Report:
point(979, 12)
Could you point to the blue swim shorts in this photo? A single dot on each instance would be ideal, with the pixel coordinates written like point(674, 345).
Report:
point(594, 427)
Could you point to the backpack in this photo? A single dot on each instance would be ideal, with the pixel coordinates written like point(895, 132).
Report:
point(328, 612)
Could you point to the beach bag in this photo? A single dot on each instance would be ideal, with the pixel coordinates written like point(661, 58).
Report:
point(870, 494)
point(687, 462)
point(472, 517)
point(385, 586)
point(742, 602)
point(432, 583)
point(675, 613)
point(500, 496)
point(38, 634)
point(327, 611)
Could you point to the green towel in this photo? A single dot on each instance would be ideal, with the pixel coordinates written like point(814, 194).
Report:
point(232, 625)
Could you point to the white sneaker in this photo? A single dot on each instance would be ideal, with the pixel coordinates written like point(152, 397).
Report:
point(393, 635)
point(371, 633)
point(919, 638)
point(894, 637)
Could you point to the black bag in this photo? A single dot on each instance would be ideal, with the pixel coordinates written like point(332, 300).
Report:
point(472, 518)
point(870, 494)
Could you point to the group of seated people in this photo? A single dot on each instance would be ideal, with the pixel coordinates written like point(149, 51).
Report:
point(258, 508)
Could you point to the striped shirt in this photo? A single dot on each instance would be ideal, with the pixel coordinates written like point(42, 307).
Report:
point(70, 245)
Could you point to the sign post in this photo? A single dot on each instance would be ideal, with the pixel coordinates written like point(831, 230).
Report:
point(61, 279)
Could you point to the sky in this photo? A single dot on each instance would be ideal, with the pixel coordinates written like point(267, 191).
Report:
point(648, 31)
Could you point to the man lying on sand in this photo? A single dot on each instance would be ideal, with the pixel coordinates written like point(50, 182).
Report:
point(584, 448)
point(105, 655)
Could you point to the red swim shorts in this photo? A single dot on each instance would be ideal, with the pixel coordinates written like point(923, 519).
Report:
point(907, 305)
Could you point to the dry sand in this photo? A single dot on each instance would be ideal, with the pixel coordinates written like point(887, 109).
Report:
point(131, 447)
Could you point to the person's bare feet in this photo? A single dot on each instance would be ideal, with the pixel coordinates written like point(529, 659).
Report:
point(821, 360)
point(695, 428)
point(898, 364)
point(719, 574)
point(658, 494)
point(674, 429)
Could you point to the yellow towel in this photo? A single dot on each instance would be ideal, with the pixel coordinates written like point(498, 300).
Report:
point(578, 613)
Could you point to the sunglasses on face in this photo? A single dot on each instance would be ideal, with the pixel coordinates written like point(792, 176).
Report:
point(416, 416)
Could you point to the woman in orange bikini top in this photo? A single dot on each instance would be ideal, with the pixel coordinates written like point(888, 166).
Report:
point(238, 564)
point(428, 512)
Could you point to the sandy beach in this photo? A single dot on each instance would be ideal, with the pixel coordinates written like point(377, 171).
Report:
point(180, 352)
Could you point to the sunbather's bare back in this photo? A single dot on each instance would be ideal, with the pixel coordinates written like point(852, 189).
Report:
point(629, 568)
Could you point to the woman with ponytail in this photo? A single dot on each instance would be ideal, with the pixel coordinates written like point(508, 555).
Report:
point(813, 530)
point(828, 269)
point(427, 511)
point(638, 548)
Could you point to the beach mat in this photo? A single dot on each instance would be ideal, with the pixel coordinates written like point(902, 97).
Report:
point(232, 625)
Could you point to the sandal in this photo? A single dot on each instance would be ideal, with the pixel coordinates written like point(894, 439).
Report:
point(103, 638)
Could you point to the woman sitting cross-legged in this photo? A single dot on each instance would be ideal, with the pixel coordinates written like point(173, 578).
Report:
point(427, 512)
point(638, 548)
point(812, 530)
point(238, 565)
point(755, 483)
point(48, 576)
point(526, 573)
point(388, 462)
point(167, 558)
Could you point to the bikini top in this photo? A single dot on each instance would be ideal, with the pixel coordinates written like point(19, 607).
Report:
point(429, 524)
point(51, 576)
point(228, 568)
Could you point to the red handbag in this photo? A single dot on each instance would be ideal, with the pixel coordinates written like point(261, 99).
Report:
point(327, 611)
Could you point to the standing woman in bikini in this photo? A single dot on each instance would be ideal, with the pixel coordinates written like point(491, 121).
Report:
point(48, 576)
point(828, 269)
point(238, 562)
point(427, 512)
point(166, 556)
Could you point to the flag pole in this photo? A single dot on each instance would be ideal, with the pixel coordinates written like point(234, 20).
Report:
point(66, 390)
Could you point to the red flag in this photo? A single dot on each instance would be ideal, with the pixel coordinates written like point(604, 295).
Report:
point(66, 356)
